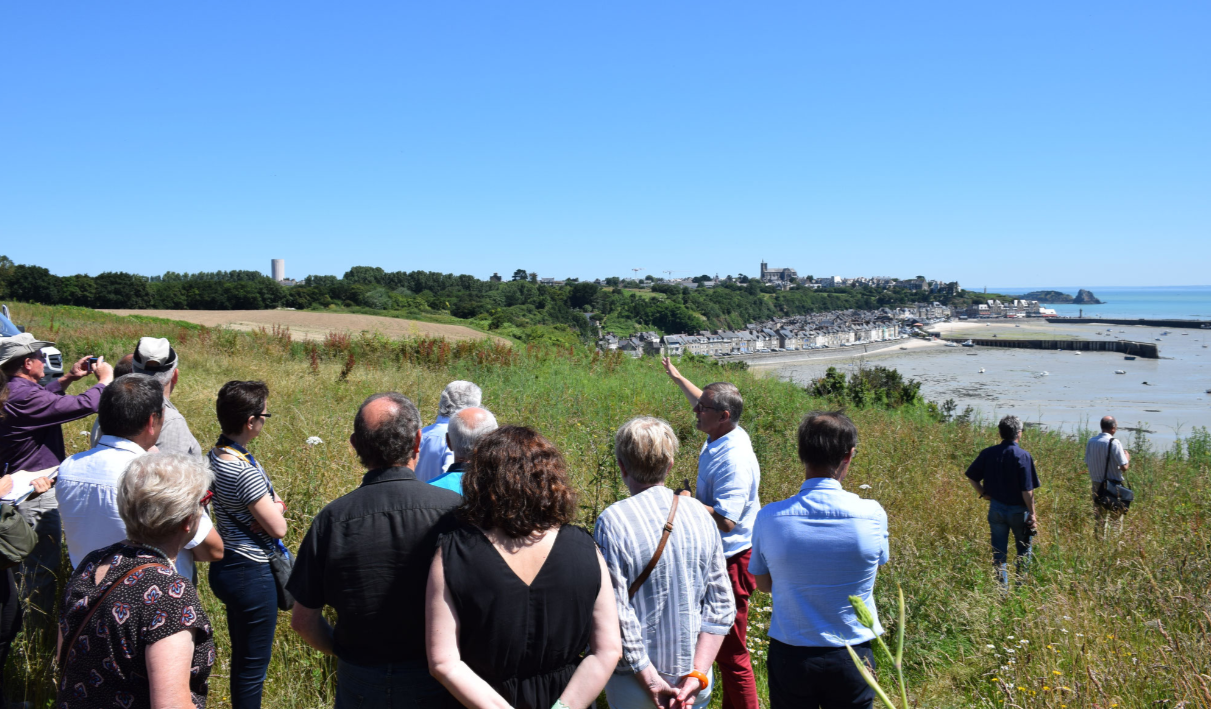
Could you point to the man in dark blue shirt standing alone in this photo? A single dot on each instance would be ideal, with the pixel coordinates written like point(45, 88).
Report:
point(1004, 475)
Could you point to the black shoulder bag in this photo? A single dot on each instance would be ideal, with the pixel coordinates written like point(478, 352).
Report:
point(280, 561)
point(1113, 495)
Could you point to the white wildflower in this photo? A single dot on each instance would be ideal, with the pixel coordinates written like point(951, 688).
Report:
point(991, 647)
point(1009, 637)
point(84, 433)
point(314, 441)
point(864, 487)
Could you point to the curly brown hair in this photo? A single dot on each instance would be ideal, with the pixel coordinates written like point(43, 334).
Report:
point(516, 482)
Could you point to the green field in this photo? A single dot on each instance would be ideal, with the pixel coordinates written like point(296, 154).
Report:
point(1121, 622)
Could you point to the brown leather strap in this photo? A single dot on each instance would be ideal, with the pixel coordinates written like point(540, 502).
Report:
point(76, 635)
point(664, 539)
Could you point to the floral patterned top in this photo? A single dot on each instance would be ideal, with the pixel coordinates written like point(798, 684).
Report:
point(106, 668)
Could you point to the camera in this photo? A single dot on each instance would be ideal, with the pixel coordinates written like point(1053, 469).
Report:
point(92, 362)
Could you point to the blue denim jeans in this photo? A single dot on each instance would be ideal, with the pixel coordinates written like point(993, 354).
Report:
point(1003, 519)
point(246, 588)
point(403, 685)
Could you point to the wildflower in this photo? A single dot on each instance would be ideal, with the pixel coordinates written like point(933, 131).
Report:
point(1021, 689)
point(314, 440)
point(863, 613)
point(1009, 637)
point(1057, 673)
point(1067, 618)
point(1064, 630)
point(1046, 688)
point(1024, 642)
point(991, 647)
point(864, 487)
point(1009, 650)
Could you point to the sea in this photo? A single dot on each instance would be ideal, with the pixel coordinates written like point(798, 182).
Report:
point(1062, 390)
point(1156, 302)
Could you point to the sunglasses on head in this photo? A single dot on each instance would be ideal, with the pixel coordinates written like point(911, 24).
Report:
point(207, 497)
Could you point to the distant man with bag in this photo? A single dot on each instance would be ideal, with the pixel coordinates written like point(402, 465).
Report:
point(670, 578)
point(1004, 475)
point(728, 479)
point(1104, 454)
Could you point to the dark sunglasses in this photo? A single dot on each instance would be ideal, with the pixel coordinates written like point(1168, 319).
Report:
point(264, 415)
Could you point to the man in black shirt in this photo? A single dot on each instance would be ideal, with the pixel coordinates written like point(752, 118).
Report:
point(367, 555)
point(1004, 475)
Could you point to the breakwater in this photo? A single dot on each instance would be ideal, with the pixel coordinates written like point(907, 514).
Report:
point(1147, 350)
point(1195, 324)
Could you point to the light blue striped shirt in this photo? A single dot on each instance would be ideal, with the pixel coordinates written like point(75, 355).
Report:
point(688, 591)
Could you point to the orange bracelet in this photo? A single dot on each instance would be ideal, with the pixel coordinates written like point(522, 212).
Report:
point(702, 679)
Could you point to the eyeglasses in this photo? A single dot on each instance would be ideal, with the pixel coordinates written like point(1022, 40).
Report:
point(264, 415)
point(207, 497)
point(699, 407)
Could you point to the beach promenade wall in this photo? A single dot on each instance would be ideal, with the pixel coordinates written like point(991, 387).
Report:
point(1196, 324)
point(1147, 350)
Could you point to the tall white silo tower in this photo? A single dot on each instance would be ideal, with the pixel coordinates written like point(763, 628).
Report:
point(277, 267)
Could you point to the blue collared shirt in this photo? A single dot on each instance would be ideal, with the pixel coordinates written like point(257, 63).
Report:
point(1005, 471)
point(452, 479)
point(820, 547)
point(434, 457)
point(728, 479)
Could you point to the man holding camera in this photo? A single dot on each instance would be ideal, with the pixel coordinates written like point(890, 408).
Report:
point(31, 438)
point(1004, 475)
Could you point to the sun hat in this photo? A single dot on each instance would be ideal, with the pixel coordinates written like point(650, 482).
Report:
point(154, 355)
point(22, 345)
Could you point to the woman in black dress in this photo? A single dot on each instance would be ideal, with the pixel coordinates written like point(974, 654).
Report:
point(132, 631)
point(516, 594)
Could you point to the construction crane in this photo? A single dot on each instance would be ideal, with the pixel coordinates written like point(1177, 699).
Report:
point(636, 271)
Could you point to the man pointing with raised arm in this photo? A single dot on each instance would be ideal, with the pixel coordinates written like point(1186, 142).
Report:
point(728, 478)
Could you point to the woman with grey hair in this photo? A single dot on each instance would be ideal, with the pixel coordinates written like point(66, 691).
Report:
point(670, 579)
point(132, 631)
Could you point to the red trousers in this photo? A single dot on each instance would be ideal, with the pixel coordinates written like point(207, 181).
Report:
point(735, 667)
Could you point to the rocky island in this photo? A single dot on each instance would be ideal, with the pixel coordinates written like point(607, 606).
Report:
point(1083, 297)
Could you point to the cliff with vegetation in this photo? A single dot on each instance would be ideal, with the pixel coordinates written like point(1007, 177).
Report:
point(1050, 297)
point(1098, 622)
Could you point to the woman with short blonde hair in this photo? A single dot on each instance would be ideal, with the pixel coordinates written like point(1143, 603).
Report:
point(132, 631)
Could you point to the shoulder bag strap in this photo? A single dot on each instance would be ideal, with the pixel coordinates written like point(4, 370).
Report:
point(100, 602)
point(1109, 457)
point(664, 539)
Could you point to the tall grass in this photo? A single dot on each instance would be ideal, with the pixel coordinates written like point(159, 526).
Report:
point(1099, 623)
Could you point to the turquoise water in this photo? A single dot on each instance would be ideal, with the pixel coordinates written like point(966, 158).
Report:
point(1183, 302)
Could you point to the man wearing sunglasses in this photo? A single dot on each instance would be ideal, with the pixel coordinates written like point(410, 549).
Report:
point(31, 439)
point(728, 478)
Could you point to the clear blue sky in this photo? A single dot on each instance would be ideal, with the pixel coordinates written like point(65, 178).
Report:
point(1013, 143)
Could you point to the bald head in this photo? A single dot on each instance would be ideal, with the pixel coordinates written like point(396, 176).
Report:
point(386, 431)
point(1109, 425)
point(467, 426)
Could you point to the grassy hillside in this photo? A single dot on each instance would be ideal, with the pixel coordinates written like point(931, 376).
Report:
point(1121, 622)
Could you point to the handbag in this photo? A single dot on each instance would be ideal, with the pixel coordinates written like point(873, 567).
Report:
point(1113, 495)
point(66, 647)
point(664, 539)
point(281, 563)
point(17, 538)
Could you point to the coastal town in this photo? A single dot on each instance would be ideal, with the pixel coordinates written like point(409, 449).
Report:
point(817, 331)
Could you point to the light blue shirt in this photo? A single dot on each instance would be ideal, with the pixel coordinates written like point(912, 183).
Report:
point(87, 488)
point(820, 547)
point(434, 456)
point(452, 481)
point(728, 478)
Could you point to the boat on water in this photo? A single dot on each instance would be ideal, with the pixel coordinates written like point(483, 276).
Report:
point(981, 370)
point(1165, 332)
point(1120, 371)
point(1158, 339)
point(969, 343)
point(1129, 357)
point(952, 344)
point(1078, 354)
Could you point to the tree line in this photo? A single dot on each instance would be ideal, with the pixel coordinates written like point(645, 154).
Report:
point(516, 304)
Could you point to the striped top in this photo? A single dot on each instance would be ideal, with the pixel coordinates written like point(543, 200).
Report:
point(1096, 451)
point(237, 486)
point(688, 591)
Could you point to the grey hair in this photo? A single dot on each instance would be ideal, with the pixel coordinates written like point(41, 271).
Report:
point(464, 436)
point(458, 395)
point(646, 446)
point(1010, 427)
point(727, 397)
point(159, 492)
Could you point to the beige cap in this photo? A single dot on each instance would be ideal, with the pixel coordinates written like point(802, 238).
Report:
point(22, 345)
